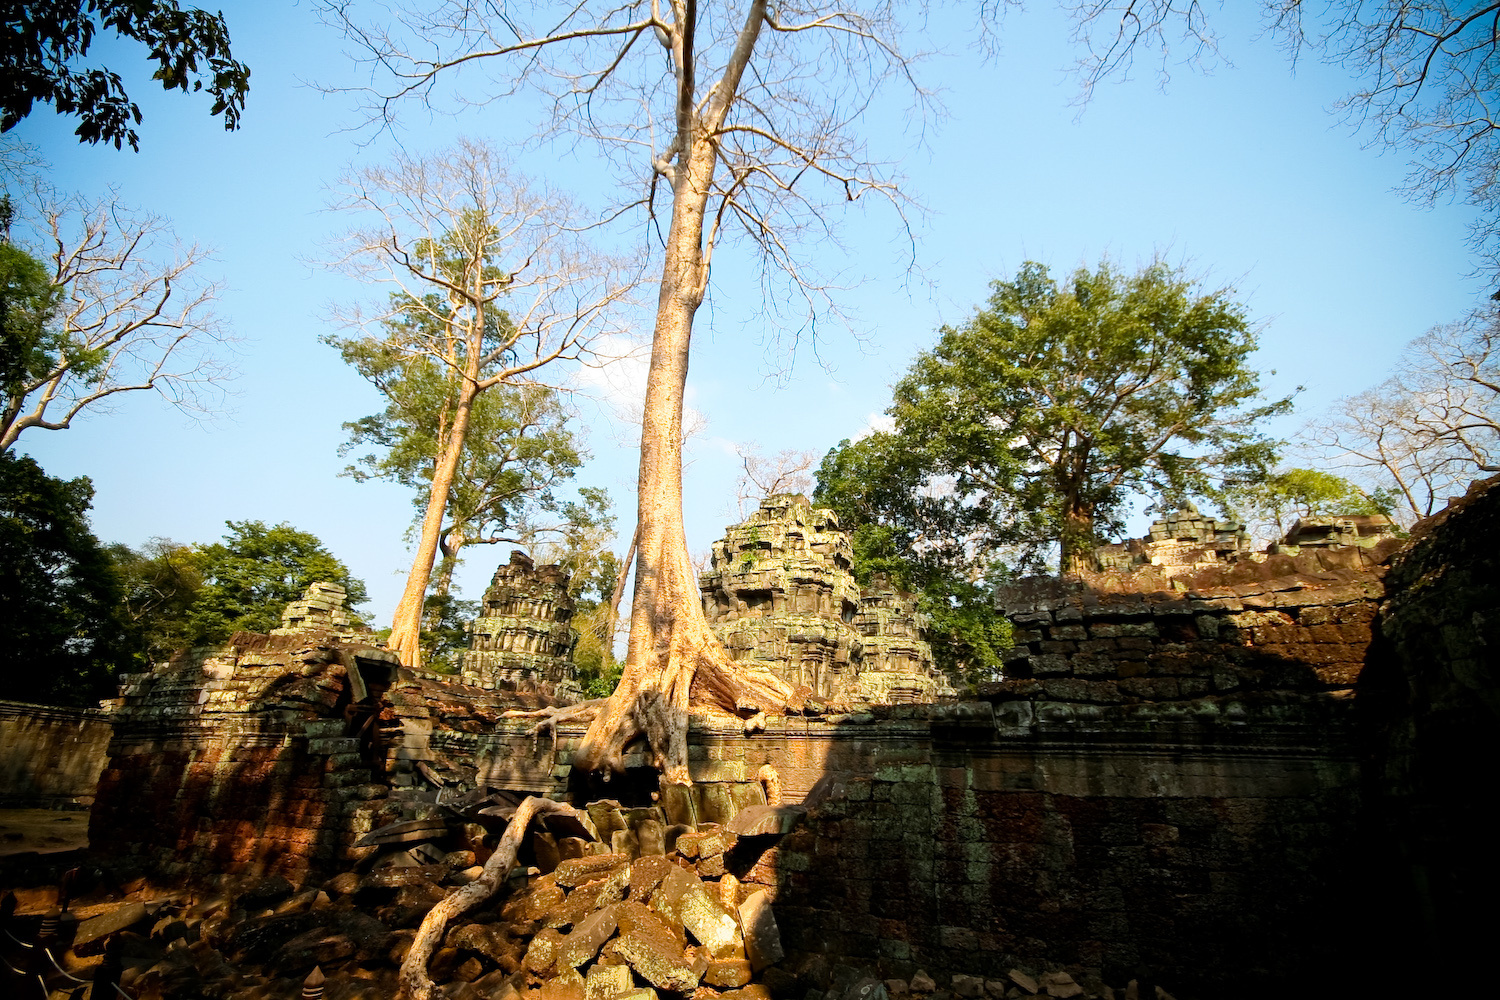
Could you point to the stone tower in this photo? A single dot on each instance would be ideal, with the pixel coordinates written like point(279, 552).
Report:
point(895, 661)
point(781, 592)
point(523, 636)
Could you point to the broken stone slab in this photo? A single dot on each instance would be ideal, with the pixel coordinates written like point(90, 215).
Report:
point(1024, 981)
point(587, 937)
point(404, 832)
point(577, 871)
point(541, 954)
point(755, 991)
point(681, 898)
point(646, 874)
point(656, 957)
point(1060, 985)
point(970, 987)
point(760, 821)
point(89, 939)
point(923, 983)
point(605, 982)
point(868, 988)
point(727, 973)
point(762, 936)
point(898, 987)
point(629, 915)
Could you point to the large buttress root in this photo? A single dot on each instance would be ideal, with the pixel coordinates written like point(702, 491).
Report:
point(413, 978)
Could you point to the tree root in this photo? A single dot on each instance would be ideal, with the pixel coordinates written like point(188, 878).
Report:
point(414, 981)
point(551, 717)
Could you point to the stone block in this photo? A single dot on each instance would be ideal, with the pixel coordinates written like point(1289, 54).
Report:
point(605, 982)
point(762, 936)
point(587, 937)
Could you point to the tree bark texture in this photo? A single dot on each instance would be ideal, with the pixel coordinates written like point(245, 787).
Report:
point(406, 624)
point(674, 660)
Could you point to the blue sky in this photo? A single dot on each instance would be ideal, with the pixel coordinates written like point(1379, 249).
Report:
point(1242, 174)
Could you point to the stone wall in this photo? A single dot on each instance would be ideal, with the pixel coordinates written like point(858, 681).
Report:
point(523, 636)
point(50, 757)
point(1433, 691)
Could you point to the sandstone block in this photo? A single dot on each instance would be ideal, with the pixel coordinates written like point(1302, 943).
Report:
point(605, 982)
point(541, 955)
point(727, 973)
point(968, 986)
point(762, 936)
point(587, 938)
point(1024, 981)
point(577, 871)
point(656, 957)
point(923, 983)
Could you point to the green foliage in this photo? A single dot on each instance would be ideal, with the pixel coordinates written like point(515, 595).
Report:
point(1293, 493)
point(61, 634)
point(1038, 420)
point(159, 585)
point(28, 300)
point(518, 449)
point(445, 631)
point(43, 45)
point(250, 577)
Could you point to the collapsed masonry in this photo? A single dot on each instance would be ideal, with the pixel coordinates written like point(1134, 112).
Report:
point(1185, 541)
point(781, 591)
point(523, 635)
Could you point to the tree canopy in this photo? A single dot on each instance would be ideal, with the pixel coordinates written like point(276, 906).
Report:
point(44, 45)
point(1038, 420)
point(250, 577)
point(62, 638)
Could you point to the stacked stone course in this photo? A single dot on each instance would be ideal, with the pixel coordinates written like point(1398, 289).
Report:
point(522, 637)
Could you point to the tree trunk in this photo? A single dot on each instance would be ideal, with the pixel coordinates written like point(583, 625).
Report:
point(406, 625)
point(450, 544)
point(1076, 542)
point(673, 658)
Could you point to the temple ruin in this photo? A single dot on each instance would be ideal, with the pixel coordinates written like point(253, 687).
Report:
point(780, 590)
point(523, 634)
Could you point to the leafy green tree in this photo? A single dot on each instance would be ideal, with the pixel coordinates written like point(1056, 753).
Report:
point(1037, 420)
point(61, 635)
point(159, 584)
point(916, 542)
point(250, 577)
point(43, 44)
point(445, 631)
point(1295, 493)
point(518, 449)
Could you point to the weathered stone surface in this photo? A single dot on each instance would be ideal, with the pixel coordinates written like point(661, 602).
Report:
point(656, 956)
point(683, 899)
point(968, 986)
point(762, 936)
point(586, 938)
point(541, 954)
point(646, 873)
point(923, 983)
point(576, 871)
point(523, 634)
point(727, 973)
point(91, 933)
point(605, 982)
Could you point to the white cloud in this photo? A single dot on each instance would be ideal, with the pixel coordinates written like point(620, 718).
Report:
point(882, 423)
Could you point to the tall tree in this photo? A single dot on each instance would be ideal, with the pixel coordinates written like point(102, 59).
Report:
point(61, 635)
point(1426, 76)
point(496, 283)
point(251, 576)
point(43, 45)
point(747, 124)
point(130, 312)
point(1426, 432)
point(519, 448)
point(1044, 413)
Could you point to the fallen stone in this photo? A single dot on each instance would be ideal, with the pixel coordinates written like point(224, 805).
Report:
point(404, 832)
point(577, 871)
point(1024, 981)
point(868, 988)
point(587, 937)
point(544, 897)
point(572, 847)
point(762, 936)
point(1061, 985)
point(715, 842)
point(755, 991)
point(970, 987)
point(89, 939)
point(896, 987)
point(687, 844)
point(995, 987)
point(683, 899)
point(555, 989)
point(727, 973)
point(630, 914)
point(485, 940)
point(541, 954)
point(265, 892)
point(1162, 994)
point(605, 982)
point(651, 834)
point(639, 993)
point(711, 867)
point(656, 957)
point(317, 947)
point(759, 821)
point(342, 884)
point(923, 983)
point(646, 873)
